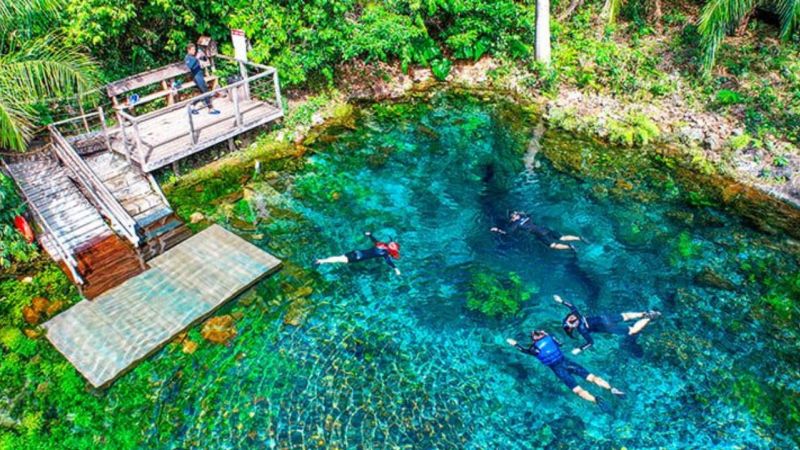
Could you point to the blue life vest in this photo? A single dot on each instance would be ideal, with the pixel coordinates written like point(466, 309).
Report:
point(549, 351)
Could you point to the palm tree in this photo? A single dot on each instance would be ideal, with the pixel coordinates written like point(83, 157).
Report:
point(34, 66)
point(720, 17)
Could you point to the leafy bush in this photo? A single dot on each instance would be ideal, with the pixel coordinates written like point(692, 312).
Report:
point(12, 246)
point(728, 97)
point(441, 68)
point(635, 130)
point(497, 297)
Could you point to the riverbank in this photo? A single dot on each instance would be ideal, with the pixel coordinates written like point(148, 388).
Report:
point(713, 143)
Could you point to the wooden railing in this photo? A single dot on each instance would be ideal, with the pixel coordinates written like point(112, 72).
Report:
point(61, 247)
point(129, 125)
point(120, 219)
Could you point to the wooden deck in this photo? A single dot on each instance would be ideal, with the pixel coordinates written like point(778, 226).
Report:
point(73, 220)
point(106, 337)
point(166, 137)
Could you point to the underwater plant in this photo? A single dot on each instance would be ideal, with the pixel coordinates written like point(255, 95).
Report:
point(497, 296)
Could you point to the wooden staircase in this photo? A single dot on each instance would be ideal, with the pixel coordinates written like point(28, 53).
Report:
point(72, 231)
point(141, 197)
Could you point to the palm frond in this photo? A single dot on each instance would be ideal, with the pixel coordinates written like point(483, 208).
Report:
point(789, 11)
point(717, 18)
point(16, 125)
point(17, 13)
point(42, 69)
point(45, 69)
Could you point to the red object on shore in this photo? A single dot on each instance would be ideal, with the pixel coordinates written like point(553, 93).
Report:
point(24, 228)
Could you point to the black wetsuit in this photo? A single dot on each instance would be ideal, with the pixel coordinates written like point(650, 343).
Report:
point(193, 64)
point(547, 351)
point(370, 253)
point(544, 234)
point(605, 323)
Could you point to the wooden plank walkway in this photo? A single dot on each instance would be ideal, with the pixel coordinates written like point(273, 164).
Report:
point(105, 337)
point(166, 137)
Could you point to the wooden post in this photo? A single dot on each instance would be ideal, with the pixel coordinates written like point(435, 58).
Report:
point(176, 168)
point(105, 127)
point(124, 132)
point(231, 145)
point(191, 126)
point(83, 114)
point(237, 112)
point(139, 145)
point(243, 73)
point(168, 87)
point(278, 101)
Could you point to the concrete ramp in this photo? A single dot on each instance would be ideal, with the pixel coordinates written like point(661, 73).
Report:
point(105, 337)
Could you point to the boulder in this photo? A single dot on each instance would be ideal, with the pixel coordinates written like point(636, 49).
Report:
point(40, 304)
point(196, 217)
point(30, 315)
point(219, 330)
point(55, 307)
point(189, 346)
point(709, 278)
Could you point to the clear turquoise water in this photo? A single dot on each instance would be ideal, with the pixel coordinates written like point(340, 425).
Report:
point(387, 361)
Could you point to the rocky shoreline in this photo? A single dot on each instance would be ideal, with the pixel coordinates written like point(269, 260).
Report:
point(703, 137)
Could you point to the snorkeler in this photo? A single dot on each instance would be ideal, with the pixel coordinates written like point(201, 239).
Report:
point(613, 324)
point(381, 249)
point(547, 350)
point(521, 221)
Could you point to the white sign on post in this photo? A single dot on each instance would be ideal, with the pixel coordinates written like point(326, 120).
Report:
point(239, 45)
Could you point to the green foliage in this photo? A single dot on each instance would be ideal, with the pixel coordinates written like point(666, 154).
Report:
point(684, 248)
point(441, 68)
point(12, 246)
point(720, 16)
point(35, 65)
point(783, 298)
point(635, 130)
point(743, 141)
point(497, 296)
point(728, 97)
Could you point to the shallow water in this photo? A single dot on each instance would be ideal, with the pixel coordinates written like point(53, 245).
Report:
point(387, 361)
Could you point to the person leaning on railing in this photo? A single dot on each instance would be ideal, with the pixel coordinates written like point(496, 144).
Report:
point(196, 66)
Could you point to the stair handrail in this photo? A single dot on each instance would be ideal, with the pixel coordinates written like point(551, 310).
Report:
point(66, 256)
point(94, 186)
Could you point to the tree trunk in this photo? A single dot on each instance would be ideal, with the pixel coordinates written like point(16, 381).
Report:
point(543, 31)
point(742, 27)
point(655, 17)
point(573, 5)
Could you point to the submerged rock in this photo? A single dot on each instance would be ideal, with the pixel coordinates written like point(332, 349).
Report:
point(189, 346)
point(40, 304)
point(709, 278)
point(31, 315)
point(196, 217)
point(219, 330)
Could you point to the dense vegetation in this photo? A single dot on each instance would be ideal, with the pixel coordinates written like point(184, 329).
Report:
point(51, 50)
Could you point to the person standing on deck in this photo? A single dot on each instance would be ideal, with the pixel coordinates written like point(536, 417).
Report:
point(196, 67)
point(387, 251)
point(606, 323)
point(551, 238)
point(547, 350)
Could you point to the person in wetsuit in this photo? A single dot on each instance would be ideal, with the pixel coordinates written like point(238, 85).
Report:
point(547, 350)
point(195, 66)
point(606, 323)
point(387, 251)
point(551, 238)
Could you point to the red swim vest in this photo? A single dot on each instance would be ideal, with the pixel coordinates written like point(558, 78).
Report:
point(392, 247)
point(24, 228)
